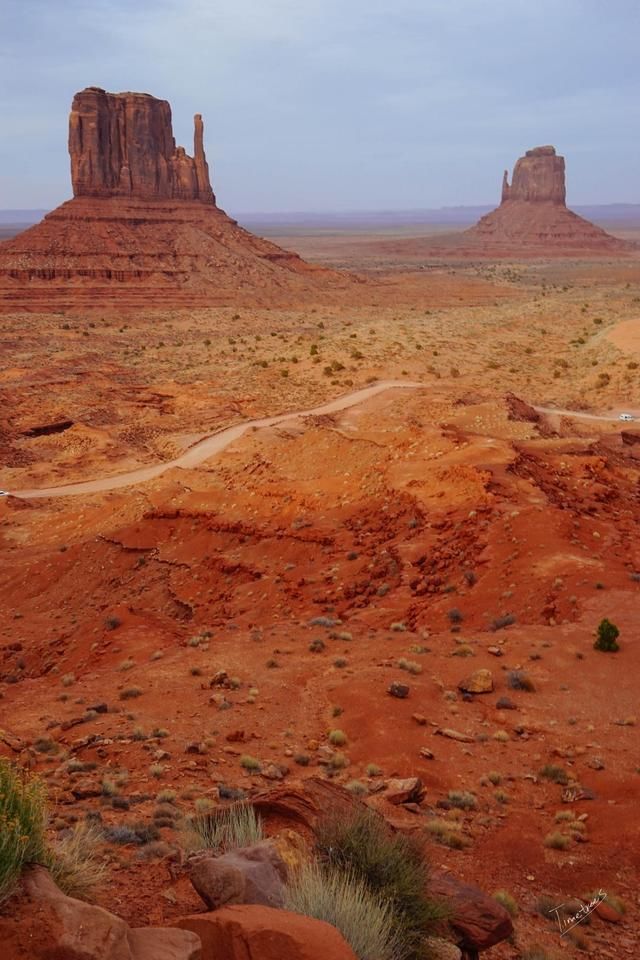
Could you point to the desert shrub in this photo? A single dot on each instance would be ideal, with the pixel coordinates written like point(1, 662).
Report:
point(507, 901)
point(166, 796)
point(410, 666)
point(23, 819)
point(343, 899)
point(392, 866)
point(557, 841)
point(357, 787)
point(22, 824)
point(535, 952)
point(337, 738)
point(519, 680)
point(552, 772)
point(225, 829)
point(447, 832)
point(75, 866)
point(462, 799)
point(251, 764)
point(607, 637)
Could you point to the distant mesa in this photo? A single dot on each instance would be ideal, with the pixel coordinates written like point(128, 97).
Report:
point(533, 216)
point(143, 228)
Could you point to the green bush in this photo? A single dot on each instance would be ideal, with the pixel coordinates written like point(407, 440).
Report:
point(607, 637)
point(22, 824)
point(226, 829)
point(392, 866)
point(343, 899)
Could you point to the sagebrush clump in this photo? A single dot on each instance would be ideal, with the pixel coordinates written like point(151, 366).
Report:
point(23, 821)
point(392, 867)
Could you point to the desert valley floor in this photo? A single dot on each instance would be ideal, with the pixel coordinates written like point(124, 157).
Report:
point(155, 636)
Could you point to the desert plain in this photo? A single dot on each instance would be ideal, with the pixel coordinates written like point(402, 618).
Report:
point(184, 623)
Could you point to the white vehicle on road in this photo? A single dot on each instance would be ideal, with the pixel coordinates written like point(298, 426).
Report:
point(627, 417)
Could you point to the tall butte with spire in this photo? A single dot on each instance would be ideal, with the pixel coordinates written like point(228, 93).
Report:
point(533, 217)
point(143, 227)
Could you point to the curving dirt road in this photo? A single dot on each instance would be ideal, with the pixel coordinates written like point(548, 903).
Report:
point(209, 446)
point(217, 442)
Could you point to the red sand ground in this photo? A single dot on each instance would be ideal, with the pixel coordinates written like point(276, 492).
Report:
point(384, 518)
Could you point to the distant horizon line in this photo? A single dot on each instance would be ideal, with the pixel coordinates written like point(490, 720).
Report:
point(354, 211)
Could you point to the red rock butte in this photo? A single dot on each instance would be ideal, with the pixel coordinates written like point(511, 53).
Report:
point(533, 217)
point(143, 228)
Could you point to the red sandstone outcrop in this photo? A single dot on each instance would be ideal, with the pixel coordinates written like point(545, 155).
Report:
point(538, 177)
point(48, 924)
point(143, 228)
point(122, 145)
point(533, 217)
point(252, 932)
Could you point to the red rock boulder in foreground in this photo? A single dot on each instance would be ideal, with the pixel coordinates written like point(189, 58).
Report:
point(251, 932)
point(48, 925)
point(122, 145)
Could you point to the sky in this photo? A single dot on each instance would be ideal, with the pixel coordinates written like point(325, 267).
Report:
point(335, 105)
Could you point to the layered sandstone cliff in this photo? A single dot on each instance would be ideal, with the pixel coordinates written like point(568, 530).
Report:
point(538, 177)
point(122, 145)
point(143, 228)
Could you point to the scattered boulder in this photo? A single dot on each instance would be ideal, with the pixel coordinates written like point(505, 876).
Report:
point(398, 690)
point(250, 875)
point(410, 790)
point(606, 912)
point(454, 735)
point(477, 921)
point(439, 949)
point(302, 805)
point(504, 703)
point(251, 932)
point(480, 681)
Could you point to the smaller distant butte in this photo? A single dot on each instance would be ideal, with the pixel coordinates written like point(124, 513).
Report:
point(533, 217)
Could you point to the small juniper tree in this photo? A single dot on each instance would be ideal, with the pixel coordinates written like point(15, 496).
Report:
point(607, 637)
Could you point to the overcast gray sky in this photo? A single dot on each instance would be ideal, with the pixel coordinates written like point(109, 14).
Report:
point(336, 104)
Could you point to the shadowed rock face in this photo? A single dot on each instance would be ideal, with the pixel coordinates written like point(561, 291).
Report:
point(122, 145)
point(538, 177)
